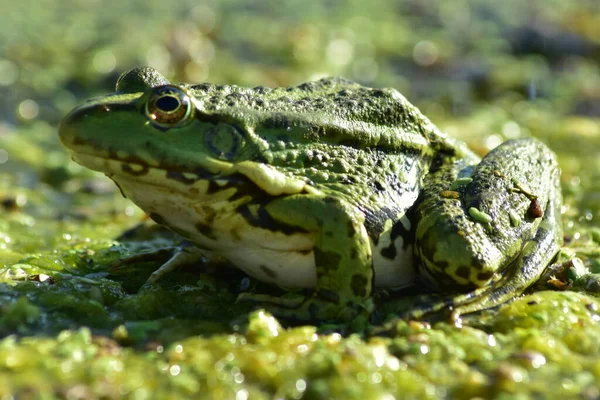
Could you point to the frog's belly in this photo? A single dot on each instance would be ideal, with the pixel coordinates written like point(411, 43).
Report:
point(296, 269)
point(286, 260)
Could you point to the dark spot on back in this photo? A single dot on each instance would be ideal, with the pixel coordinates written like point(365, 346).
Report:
point(359, 285)
point(484, 276)
point(327, 260)
point(351, 229)
point(463, 272)
point(476, 263)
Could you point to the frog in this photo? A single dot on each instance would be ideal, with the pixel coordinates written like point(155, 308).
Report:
point(328, 189)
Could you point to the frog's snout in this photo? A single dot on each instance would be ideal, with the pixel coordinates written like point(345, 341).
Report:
point(67, 129)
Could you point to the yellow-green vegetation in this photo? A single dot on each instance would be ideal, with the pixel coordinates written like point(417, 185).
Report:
point(72, 326)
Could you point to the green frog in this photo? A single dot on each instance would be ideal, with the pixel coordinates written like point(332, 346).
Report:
point(329, 186)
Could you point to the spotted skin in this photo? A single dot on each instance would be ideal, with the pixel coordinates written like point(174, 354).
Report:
point(327, 185)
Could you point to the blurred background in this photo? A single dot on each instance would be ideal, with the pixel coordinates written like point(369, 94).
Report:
point(447, 55)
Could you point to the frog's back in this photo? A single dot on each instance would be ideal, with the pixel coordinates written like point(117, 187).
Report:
point(337, 109)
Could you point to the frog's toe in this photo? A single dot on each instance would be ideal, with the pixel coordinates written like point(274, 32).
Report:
point(290, 301)
point(302, 309)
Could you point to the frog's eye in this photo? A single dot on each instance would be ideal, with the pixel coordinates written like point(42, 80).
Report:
point(169, 106)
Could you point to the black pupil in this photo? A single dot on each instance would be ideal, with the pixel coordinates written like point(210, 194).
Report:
point(167, 103)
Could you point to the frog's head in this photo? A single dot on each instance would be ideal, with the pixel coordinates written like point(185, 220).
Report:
point(154, 131)
point(318, 136)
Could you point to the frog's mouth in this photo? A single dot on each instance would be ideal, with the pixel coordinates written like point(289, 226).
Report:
point(219, 175)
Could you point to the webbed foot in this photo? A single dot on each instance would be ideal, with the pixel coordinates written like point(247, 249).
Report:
point(312, 309)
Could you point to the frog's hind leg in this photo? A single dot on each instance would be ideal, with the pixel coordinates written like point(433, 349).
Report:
point(342, 256)
point(491, 233)
point(537, 253)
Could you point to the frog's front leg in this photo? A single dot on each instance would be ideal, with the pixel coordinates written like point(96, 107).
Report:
point(183, 255)
point(489, 230)
point(342, 255)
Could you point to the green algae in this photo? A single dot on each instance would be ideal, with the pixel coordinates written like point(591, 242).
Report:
point(530, 356)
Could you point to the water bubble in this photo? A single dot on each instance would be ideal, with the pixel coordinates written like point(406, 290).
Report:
point(511, 130)
point(493, 141)
point(28, 109)
point(301, 385)
point(425, 53)
point(339, 52)
point(241, 395)
point(365, 69)
point(9, 72)
point(175, 370)
point(158, 57)
point(205, 17)
point(104, 61)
